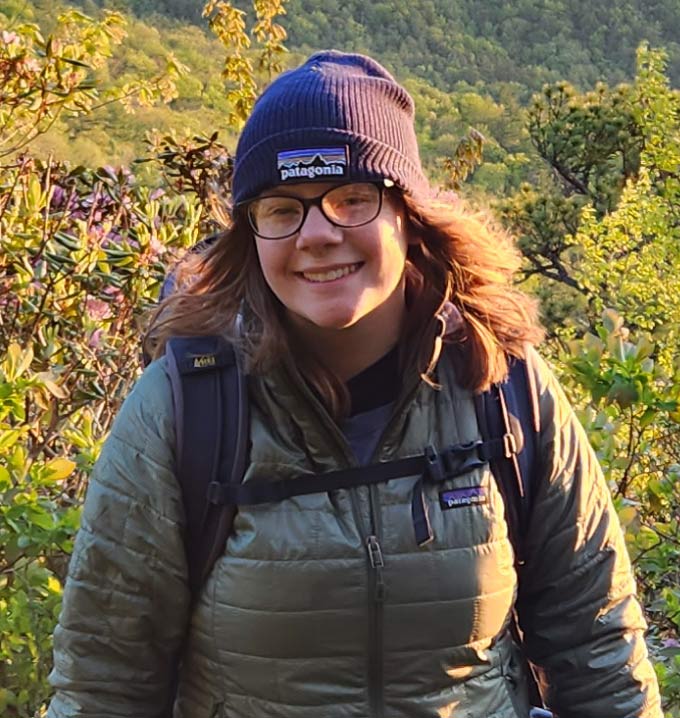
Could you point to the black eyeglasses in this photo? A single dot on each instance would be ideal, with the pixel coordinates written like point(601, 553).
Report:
point(347, 205)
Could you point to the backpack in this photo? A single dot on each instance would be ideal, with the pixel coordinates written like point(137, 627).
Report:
point(211, 418)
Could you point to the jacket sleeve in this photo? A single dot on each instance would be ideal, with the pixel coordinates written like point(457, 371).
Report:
point(583, 626)
point(125, 603)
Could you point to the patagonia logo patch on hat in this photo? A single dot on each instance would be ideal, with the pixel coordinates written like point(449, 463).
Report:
point(313, 163)
point(458, 498)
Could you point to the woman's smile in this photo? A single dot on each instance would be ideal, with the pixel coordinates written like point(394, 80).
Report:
point(326, 275)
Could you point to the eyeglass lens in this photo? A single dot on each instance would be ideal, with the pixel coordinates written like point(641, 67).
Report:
point(349, 205)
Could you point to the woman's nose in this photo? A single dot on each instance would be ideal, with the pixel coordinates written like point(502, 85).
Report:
point(317, 231)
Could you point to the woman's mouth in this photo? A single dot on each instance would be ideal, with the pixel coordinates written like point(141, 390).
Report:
point(330, 275)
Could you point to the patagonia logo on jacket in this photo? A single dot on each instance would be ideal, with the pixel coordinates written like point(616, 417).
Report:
point(458, 498)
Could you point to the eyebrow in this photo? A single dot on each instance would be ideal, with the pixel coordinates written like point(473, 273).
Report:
point(283, 193)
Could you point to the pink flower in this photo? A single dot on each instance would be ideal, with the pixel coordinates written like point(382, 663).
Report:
point(97, 309)
point(32, 65)
point(156, 248)
point(95, 339)
point(115, 294)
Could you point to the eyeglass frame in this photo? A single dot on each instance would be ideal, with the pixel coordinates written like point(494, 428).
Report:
point(308, 202)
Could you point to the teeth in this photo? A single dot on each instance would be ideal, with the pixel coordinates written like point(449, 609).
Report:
point(330, 276)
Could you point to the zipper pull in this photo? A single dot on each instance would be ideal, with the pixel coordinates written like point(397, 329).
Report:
point(375, 552)
point(375, 556)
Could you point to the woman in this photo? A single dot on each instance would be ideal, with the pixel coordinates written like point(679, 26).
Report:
point(370, 315)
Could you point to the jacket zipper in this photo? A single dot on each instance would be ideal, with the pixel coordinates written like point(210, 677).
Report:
point(376, 603)
point(376, 581)
point(376, 561)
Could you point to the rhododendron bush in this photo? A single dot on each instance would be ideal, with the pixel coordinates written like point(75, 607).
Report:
point(83, 252)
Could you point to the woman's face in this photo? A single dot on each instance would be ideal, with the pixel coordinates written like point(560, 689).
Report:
point(331, 277)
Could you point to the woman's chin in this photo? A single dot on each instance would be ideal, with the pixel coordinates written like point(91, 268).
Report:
point(326, 321)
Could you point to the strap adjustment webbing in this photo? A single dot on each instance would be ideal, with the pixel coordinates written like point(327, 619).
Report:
point(431, 467)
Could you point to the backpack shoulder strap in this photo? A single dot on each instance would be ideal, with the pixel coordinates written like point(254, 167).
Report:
point(510, 410)
point(211, 419)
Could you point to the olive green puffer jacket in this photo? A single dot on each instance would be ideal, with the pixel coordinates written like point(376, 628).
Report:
point(323, 606)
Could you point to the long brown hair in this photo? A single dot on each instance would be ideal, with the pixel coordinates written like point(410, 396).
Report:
point(467, 259)
point(460, 258)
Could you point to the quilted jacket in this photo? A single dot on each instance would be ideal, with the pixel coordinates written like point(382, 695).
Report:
point(324, 606)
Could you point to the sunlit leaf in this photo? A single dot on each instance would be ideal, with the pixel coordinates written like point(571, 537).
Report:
point(47, 380)
point(17, 361)
point(59, 469)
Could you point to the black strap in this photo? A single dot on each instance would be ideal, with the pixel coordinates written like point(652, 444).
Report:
point(213, 435)
point(510, 410)
point(211, 421)
point(433, 466)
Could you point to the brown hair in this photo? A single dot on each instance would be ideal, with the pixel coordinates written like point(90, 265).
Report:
point(461, 258)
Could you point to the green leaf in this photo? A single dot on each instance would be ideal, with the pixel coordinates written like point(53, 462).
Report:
point(46, 379)
point(77, 63)
point(644, 348)
point(24, 541)
point(17, 361)
point(42, 519)
point(59, 469)
point(647, 417)
point(9, 438)
point(627, 515)
point(612, 320)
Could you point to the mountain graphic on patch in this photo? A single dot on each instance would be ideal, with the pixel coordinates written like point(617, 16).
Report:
point(318, 162)
point(457, 498)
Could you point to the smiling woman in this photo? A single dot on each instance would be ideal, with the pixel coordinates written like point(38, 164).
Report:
point(373, 567)
point(343, 270)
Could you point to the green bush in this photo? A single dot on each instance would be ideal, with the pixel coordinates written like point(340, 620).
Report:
point(629, 405)
point(83, 252)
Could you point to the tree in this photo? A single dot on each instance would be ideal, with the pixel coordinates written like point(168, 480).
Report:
point(606, 197)
point(623, 369)
point(42, 78)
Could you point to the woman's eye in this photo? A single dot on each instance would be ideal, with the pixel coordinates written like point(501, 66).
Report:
point(281, 210)
point(353, 200)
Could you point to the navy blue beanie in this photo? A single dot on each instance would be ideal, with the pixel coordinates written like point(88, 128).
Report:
point(336, 117)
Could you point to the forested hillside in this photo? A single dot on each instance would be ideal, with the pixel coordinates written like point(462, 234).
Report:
point(202, 104)
point(448, 41)
point(468, 65)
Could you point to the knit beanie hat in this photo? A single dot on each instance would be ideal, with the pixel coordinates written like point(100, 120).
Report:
point(336, 117)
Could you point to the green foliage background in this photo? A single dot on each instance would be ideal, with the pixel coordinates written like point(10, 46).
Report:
point(114, 131)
